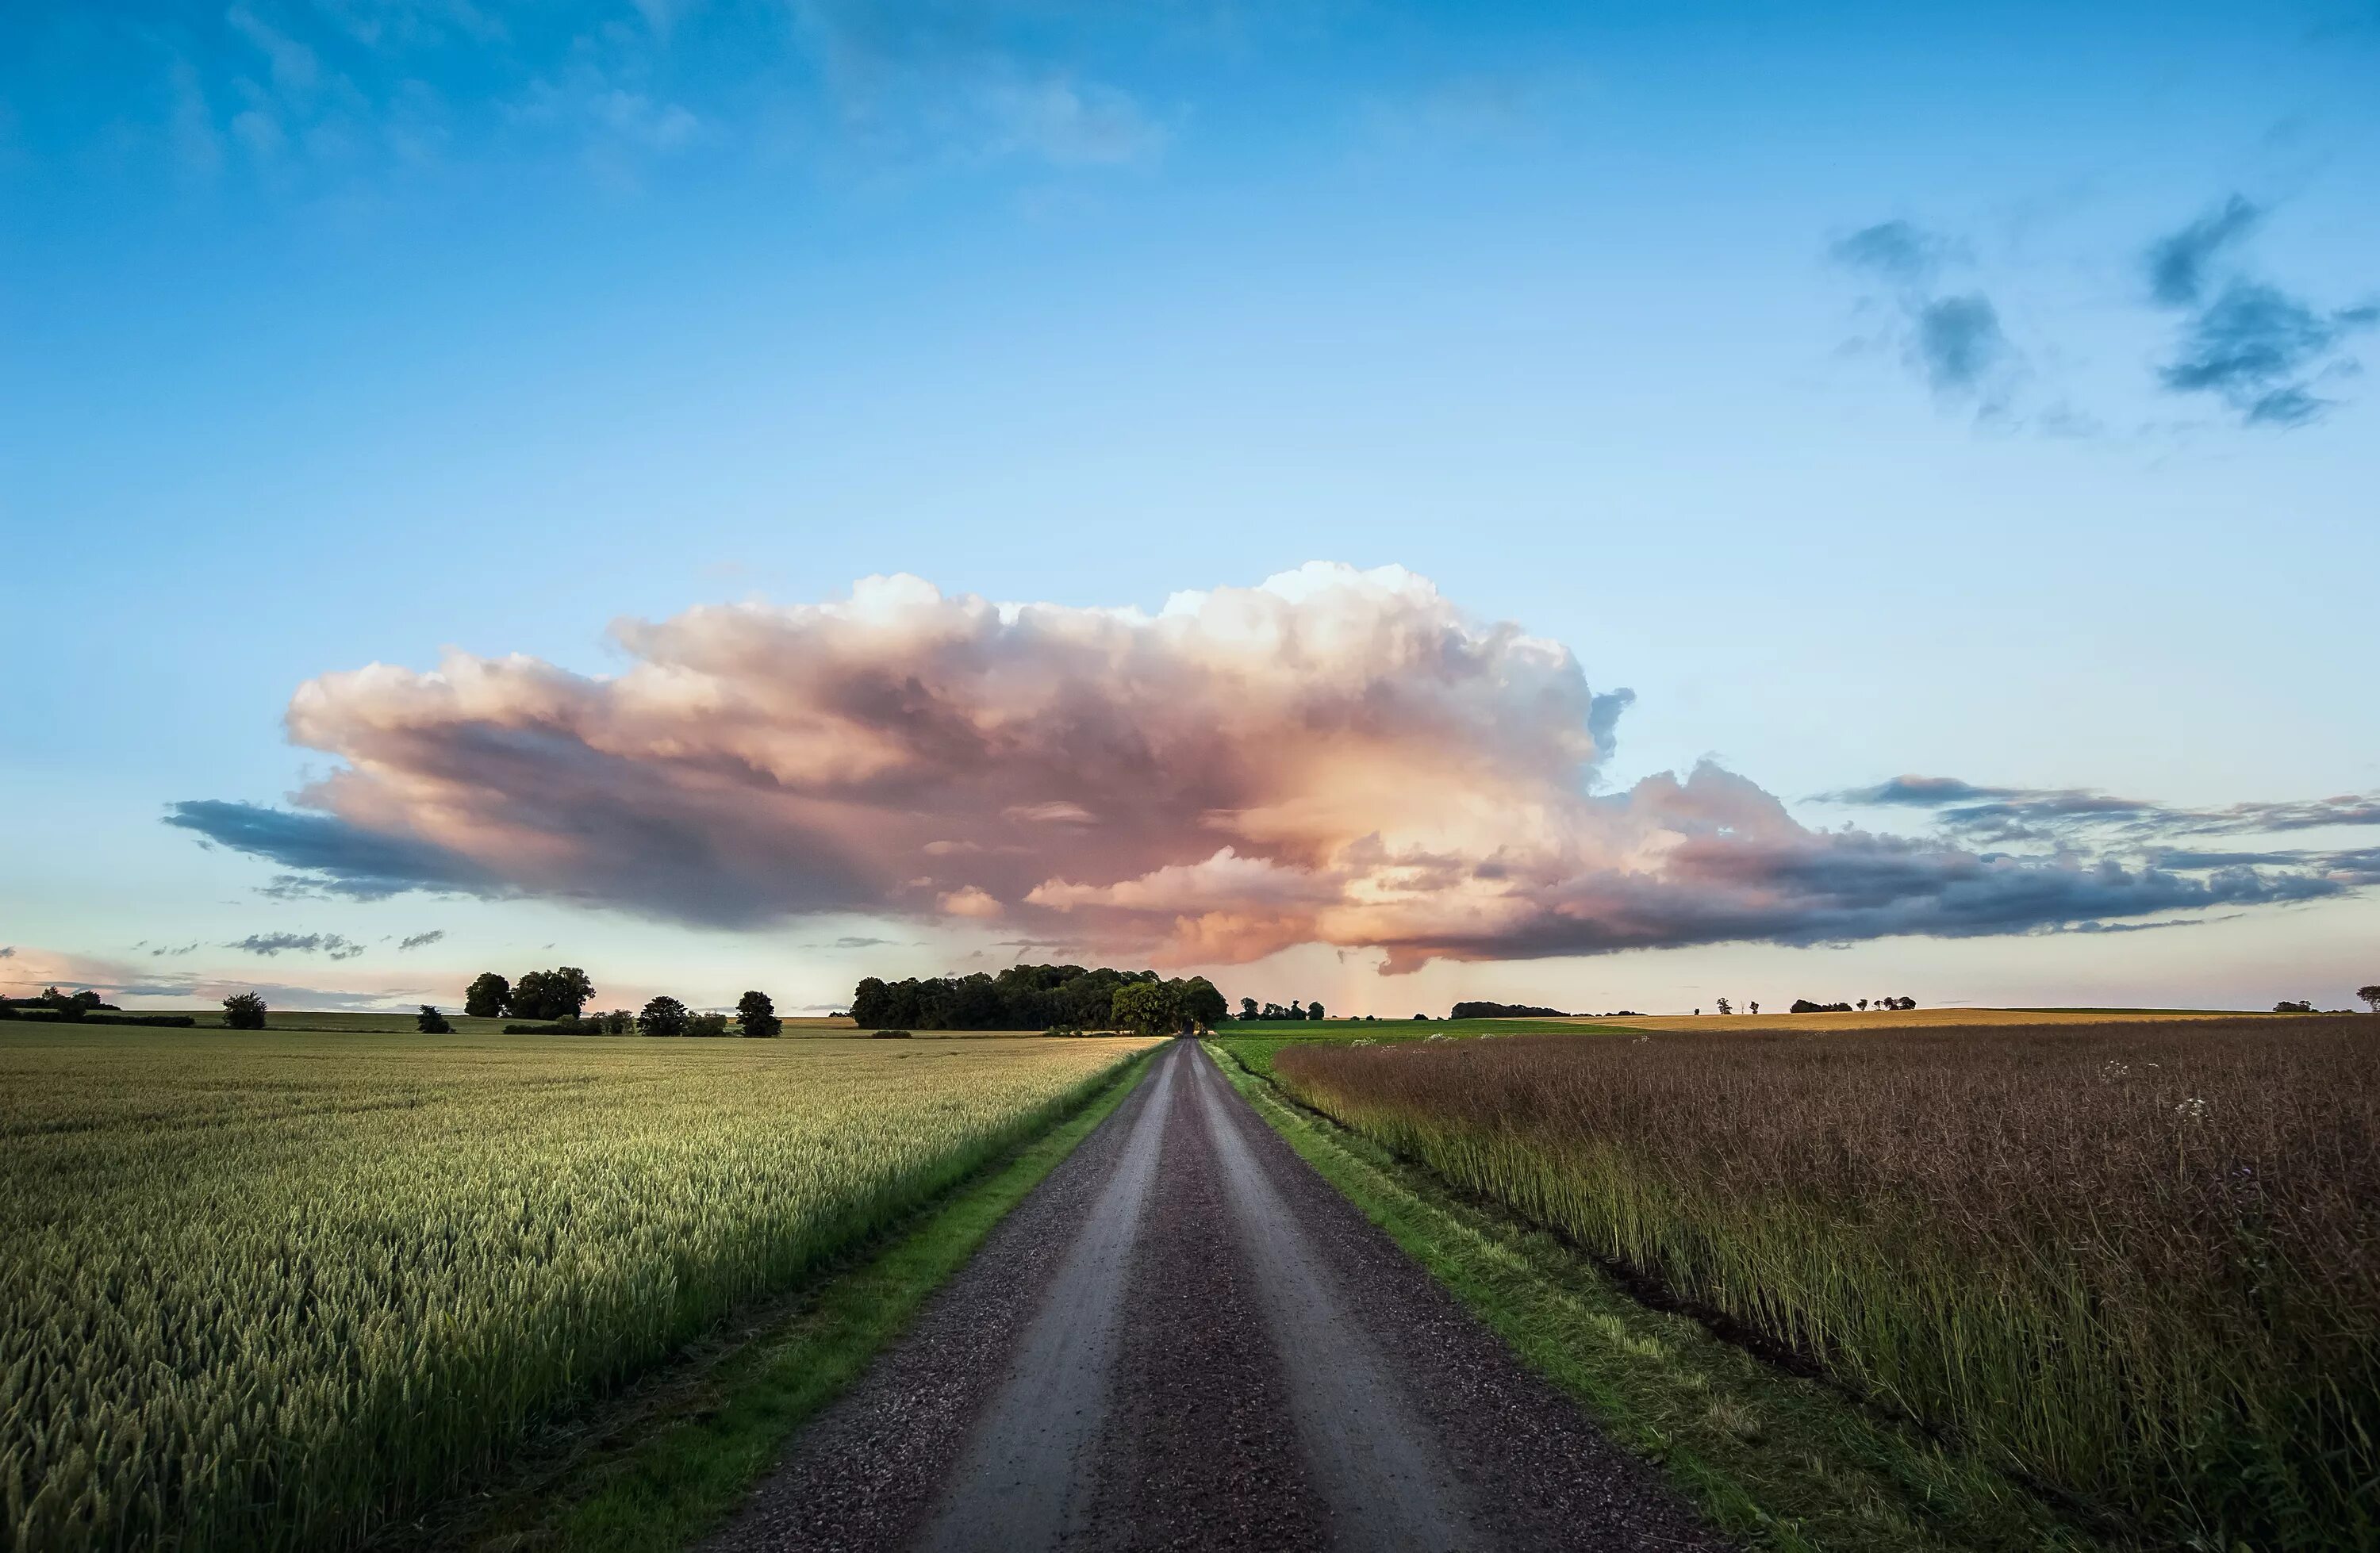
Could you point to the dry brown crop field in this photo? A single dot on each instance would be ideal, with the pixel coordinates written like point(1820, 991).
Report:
point(1893, 1021)
point(2138, 1261)
point(273, 1290)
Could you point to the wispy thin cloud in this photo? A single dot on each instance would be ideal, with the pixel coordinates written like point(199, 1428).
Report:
point(1952, 340)
point(2138, 828)
point(118, 980)
point(2265, 353)
point(331, 945)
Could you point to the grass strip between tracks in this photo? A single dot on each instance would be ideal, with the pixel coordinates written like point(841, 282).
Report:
point(1773, 1460)
point(675, 1460)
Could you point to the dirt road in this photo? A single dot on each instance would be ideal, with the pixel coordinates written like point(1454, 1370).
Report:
point(1186, 1339)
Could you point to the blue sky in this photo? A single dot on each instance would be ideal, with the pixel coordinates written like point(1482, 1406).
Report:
point(1871, 391)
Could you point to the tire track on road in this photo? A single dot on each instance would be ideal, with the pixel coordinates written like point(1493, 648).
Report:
point(1026, 1477)
point(1186, 1338)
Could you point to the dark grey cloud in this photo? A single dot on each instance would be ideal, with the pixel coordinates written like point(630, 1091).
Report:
point(336, 856)
point(421, 940)
point(2242, 339)
point(1965, 801)
point(1993, 813)
point(2140, 829)
point(1844, 887)
point(1917, 791)
point(2142, 926)
point(331, 944)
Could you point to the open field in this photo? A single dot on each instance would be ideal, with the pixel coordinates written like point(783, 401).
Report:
point(272, 1289)
point(2137, 1261)
point(1914, 1019)
point(343, 1021)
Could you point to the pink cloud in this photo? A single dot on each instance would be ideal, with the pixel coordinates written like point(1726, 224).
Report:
point(1332, 756)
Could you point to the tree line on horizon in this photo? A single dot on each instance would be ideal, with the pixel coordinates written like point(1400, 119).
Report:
point(554, 1003)
point(1058, 998)
point(561, 993)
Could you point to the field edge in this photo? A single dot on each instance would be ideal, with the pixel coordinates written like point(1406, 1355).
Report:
point(1770, 1459)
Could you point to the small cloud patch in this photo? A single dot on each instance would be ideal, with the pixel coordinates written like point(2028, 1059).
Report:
point(1953, 342)
point(331, 944)
point(2263, 352)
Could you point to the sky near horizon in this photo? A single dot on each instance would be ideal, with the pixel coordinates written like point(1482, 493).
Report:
point(445, 449)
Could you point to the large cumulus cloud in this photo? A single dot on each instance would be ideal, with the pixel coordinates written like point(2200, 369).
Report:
point(1334, 757)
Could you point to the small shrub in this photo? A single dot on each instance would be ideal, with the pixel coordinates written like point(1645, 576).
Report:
point(244, 1011)
point(429, 1022)
point(708, 1025)
point(889, 1036)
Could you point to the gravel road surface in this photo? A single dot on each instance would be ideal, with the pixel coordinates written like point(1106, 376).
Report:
point(1184, 1338)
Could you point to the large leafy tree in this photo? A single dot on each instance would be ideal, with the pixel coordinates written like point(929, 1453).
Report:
point(665, 1016)
point(244, 1011)
point(1020, 997)
point(487, 996)
point(1151, 1007)
point(758, 1016)
point(555, 994)
point(1204, 1006)
point(569, 990)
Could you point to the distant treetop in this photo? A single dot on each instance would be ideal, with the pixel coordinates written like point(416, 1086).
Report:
point(1504, 1011)
point(1037, 998)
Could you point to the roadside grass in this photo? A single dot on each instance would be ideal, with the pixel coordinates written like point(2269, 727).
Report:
point(1773, 1459)
point(1392, 1029)
point(670, 1464)
point(1255, 1042)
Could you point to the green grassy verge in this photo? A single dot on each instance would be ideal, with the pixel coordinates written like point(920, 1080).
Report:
point(673, 1461)
point(1776, 1461)
point(1254, 1042)
point(1392, 1029)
